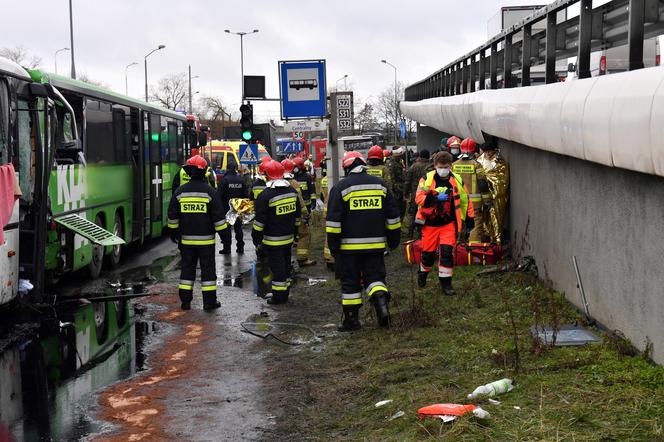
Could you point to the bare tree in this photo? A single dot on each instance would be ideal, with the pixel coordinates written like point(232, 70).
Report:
point(20, 55)
point(213, 112)
point(171, 91)
point(388, 115)
point(365, 118)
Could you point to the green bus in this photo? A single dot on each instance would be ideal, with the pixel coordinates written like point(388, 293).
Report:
point(118, 176)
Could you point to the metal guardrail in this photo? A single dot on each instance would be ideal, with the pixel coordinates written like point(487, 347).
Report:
point(511, 54)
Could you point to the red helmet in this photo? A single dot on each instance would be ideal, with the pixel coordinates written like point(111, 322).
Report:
point(387, 153)
point(375, 153)
point(453, 141)
point(350, 157)
point(468, 145)
point(197, 161)
point(299, 163)
point(288, 165)
point(274, 170)
point(264, 161)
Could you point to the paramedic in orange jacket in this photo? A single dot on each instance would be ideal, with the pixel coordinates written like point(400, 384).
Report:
point(442, 207)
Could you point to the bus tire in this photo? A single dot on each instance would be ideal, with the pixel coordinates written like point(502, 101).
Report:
point(97, 259)
point(114, 257)
point(99, 311)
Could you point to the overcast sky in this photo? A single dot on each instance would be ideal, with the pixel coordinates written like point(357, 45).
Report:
point(419, 37)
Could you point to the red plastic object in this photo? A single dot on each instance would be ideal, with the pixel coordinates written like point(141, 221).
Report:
point(412, 251)
point(477, 254)
point(445, 410)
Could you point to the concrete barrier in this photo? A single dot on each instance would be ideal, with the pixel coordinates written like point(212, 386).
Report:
point(610, 218)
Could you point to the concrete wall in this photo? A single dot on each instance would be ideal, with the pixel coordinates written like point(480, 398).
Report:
point(611, 219)
point(428, 137)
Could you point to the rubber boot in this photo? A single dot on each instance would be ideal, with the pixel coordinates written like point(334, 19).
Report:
point(351, 320)
point(240, 250)
point(185, 306)
point(446, 286)
point(381, 303)
point(226, 250)
point(210, 303)
point(278, 298)
point(422, 278)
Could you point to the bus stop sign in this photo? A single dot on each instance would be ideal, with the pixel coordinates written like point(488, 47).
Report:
point(302, 89)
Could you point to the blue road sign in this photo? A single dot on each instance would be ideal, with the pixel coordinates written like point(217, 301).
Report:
point(289, 146)
point(248, 153)
point(402, 128)
point(302, 89)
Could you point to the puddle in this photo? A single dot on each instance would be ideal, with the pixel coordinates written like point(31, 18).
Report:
point(261, 326)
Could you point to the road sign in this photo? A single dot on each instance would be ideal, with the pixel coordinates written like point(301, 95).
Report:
point(248, 153)
point(302, 89)
point(290, 146)
point(305, 125)
point(342, 103)
point(402, 128)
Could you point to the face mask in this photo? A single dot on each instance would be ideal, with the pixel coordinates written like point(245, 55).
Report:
point(454, 151)
point(296, 170)
point(443, 171)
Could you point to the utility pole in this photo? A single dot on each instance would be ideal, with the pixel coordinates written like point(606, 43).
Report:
point(126, 80)
point(396, 100)
point(71, 41)
point(145, 61)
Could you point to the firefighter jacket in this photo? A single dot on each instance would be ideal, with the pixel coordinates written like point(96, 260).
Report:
point(413, 175)
point(278, 213)
point(324, 189)
point(474, 181)
point(296, 186)
point(306, 186)
point(431, 212)
point(198, 213)
point(381, 171)
point(257, 187)
point(397, 175)
point(362, 215)
point(182, 177)
point(232, 186)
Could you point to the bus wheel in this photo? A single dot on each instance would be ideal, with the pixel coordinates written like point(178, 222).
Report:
point(99, 309)
point(116, 251)
point(94, 268)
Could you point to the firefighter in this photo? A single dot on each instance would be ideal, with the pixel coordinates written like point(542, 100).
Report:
point(442, 203)
point(454, 147)
point(278, 212)
point(377, 167)
point(195, 213)
point(259, 183)
point(289, 167)
point(416, 171)
point(477, 188)
point(397, 168)
point(325, 196)
point(182, 177)
point(362, 217)
point(232, 186)
point(309, 196)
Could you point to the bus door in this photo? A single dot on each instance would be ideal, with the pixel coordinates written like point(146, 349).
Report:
point(156, 194)
point(138, 177)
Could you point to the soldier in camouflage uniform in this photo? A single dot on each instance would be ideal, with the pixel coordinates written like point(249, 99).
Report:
point(413, 175)
point(397, 170)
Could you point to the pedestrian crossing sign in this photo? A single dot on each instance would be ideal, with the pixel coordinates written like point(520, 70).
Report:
point(248, 153)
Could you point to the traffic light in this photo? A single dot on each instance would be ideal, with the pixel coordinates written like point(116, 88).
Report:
point(247, 122)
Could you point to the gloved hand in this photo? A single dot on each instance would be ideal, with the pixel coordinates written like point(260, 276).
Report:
point(175, 235)
point(442, 197)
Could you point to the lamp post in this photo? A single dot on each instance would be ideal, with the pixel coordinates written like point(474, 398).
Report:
point(241, 34)
point(344, 79)
point(191, 78)
point(396, 100)
point(55, 58)
point(127, 81)
point(145, 60)
point(71, 41)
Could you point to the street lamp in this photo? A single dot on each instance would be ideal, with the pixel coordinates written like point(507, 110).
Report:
point(55, 58)
point(396, 100)
point(126, 81)
point(344, 79)
point(191, 78)
point(145, 60)
point(241, 34)
point(71, 41)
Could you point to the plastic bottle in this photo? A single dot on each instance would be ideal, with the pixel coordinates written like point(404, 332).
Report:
point(492, 389)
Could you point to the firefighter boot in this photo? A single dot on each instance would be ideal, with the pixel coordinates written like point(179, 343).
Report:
point(210, 302)
point(422, 278)
point(351, 320)
point(381, 302)
point(446, 286)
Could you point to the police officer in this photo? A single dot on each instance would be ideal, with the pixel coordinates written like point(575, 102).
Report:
point(195, 213)
point(362, 219)
point(233, 186)
point(477, 188)
point(377, 166)
point(309, 196)
point(182, 177)
point(260, 181)
point(277, 218)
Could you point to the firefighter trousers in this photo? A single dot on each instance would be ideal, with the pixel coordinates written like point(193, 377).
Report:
point(443, 239)
point(279, 260)
point(239, 236)
point(191, 255)
point(303, 242)
point(358, 271)
point(479, 233)
point(327, 255)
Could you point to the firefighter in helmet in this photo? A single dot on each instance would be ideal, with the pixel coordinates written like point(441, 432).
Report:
point(308, 191)
point(182, 177)
point(259, 183)
point(477, 187)
point(376, 165)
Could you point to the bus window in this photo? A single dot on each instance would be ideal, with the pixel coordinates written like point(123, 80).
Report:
point(120, 136)
point(26, 134)
point(99, 132)
point(172, 142)
point(4, 123)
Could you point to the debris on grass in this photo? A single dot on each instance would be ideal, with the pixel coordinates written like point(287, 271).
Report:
point(492, 389)
point(381, 403)
point(494, 402)
point(566, 335)
point(396, 415)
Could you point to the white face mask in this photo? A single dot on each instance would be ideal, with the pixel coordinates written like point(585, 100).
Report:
point(454, 151)
point(296, 170)
point(443, 171)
